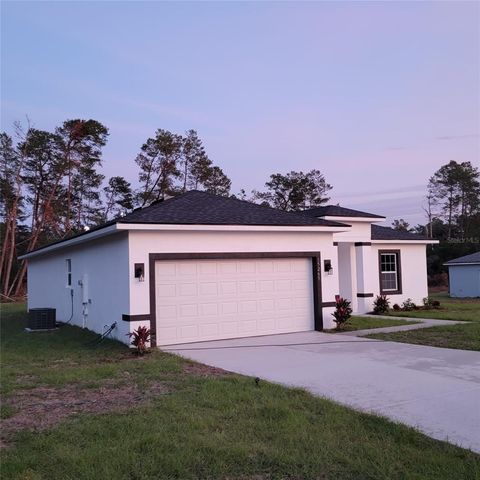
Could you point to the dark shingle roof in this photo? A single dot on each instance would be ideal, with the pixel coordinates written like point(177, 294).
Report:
point(387, 233)
point(202, 208)
point(337, 211)
point(472, 258)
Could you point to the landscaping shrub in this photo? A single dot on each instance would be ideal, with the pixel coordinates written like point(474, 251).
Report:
point(408, 305)
point(381, 305)
point(343, 311)
point(141, 337)
point(426, 303)
point(396, 307)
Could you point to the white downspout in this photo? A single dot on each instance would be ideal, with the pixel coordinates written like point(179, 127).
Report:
point(85, 300)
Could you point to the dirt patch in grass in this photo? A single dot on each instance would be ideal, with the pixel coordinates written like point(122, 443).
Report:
point(41, 408)
point(200, 370)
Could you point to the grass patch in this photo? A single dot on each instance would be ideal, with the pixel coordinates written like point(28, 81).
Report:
point(217, 426)
point(366, 323)
point(450, 309)
point(460, 336)
point(464, 337)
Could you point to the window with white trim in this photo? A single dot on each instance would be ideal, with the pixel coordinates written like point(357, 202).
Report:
point(389, 263)
point(68, 263)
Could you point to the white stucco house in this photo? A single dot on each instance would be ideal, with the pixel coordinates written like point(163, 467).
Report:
point(202, 267)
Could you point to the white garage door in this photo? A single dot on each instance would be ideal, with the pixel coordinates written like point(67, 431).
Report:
point(214, 299)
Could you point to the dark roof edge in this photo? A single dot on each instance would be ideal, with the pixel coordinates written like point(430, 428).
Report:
point(332, 224)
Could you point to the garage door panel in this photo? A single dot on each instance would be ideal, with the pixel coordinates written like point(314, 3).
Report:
point(186, 268)
point(227, 267)
point(166, 290)
point(208, 268)
point(228, 288)
point(210, 288)
point(229, 307)
point(187, 289)
point(247, 287)
point(283, 266)
point(265, 267)
point(283, 285)
point(245, 297)
point(247, 267)
point(188, 310)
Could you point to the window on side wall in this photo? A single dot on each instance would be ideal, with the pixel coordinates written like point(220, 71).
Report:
point(68, 263)
point(390, 272)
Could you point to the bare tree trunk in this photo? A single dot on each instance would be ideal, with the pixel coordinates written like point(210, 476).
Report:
point(185, 173)
point(11, 254)
point(4, 249)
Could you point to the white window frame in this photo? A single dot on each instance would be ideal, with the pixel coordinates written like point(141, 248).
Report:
point(68, 264)
point(397, 271)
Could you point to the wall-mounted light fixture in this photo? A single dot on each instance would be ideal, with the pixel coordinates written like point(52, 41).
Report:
point(139, 270)
point(327, 267)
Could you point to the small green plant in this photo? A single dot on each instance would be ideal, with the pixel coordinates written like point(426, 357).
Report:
point(381, 305)
point(343, 311)
point(426, 303)
point(141, 337)
point(429, 303)
point(408, 305)
point(396, 307)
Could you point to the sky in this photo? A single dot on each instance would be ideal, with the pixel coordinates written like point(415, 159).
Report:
point(376, 95)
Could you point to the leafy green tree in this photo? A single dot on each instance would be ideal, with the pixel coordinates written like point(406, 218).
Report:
point(401, 225)
point(118, 198)
point(80, 144)
point(193, 160)
point(456, 188)
point(217, 182)
point(11, 208)
point(295, 190)
point(159, 165)
point(170, 163)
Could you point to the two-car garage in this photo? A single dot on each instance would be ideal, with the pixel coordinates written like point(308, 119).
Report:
point(217, 298)
point(196, 267)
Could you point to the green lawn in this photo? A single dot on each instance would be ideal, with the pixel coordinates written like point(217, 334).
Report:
point(463, 336)
point(450, 309)
point(366, 323)
point(101, 413)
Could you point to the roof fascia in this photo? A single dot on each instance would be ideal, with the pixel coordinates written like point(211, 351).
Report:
point(407, 242)
point(231, 228)
point(353, 219)
point(102, 232)
point(461, 263)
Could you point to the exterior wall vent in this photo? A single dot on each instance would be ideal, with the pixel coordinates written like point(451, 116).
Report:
point(42, 319)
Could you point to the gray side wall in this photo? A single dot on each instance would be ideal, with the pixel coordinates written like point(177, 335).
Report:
point(464, 280)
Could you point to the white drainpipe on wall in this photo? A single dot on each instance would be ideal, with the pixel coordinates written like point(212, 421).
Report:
point(85, 299)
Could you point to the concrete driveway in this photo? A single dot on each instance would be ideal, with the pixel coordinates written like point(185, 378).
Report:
point(436, 390)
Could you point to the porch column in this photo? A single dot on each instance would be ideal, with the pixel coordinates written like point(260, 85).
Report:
point(347, 273)
point(365, 276)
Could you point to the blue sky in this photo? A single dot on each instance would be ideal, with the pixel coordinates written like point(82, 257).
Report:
point(376, 95)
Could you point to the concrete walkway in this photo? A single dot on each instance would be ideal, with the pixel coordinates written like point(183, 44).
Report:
point(436, 390)
point(423, 323)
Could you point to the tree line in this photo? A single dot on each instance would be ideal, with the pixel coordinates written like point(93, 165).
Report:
point(452, 211)
point(51, 187)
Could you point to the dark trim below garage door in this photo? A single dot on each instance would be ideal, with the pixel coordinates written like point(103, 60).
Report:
point(316, 277)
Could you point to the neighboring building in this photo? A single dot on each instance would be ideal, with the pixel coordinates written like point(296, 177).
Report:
point(464, 276)
point(203, 267)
